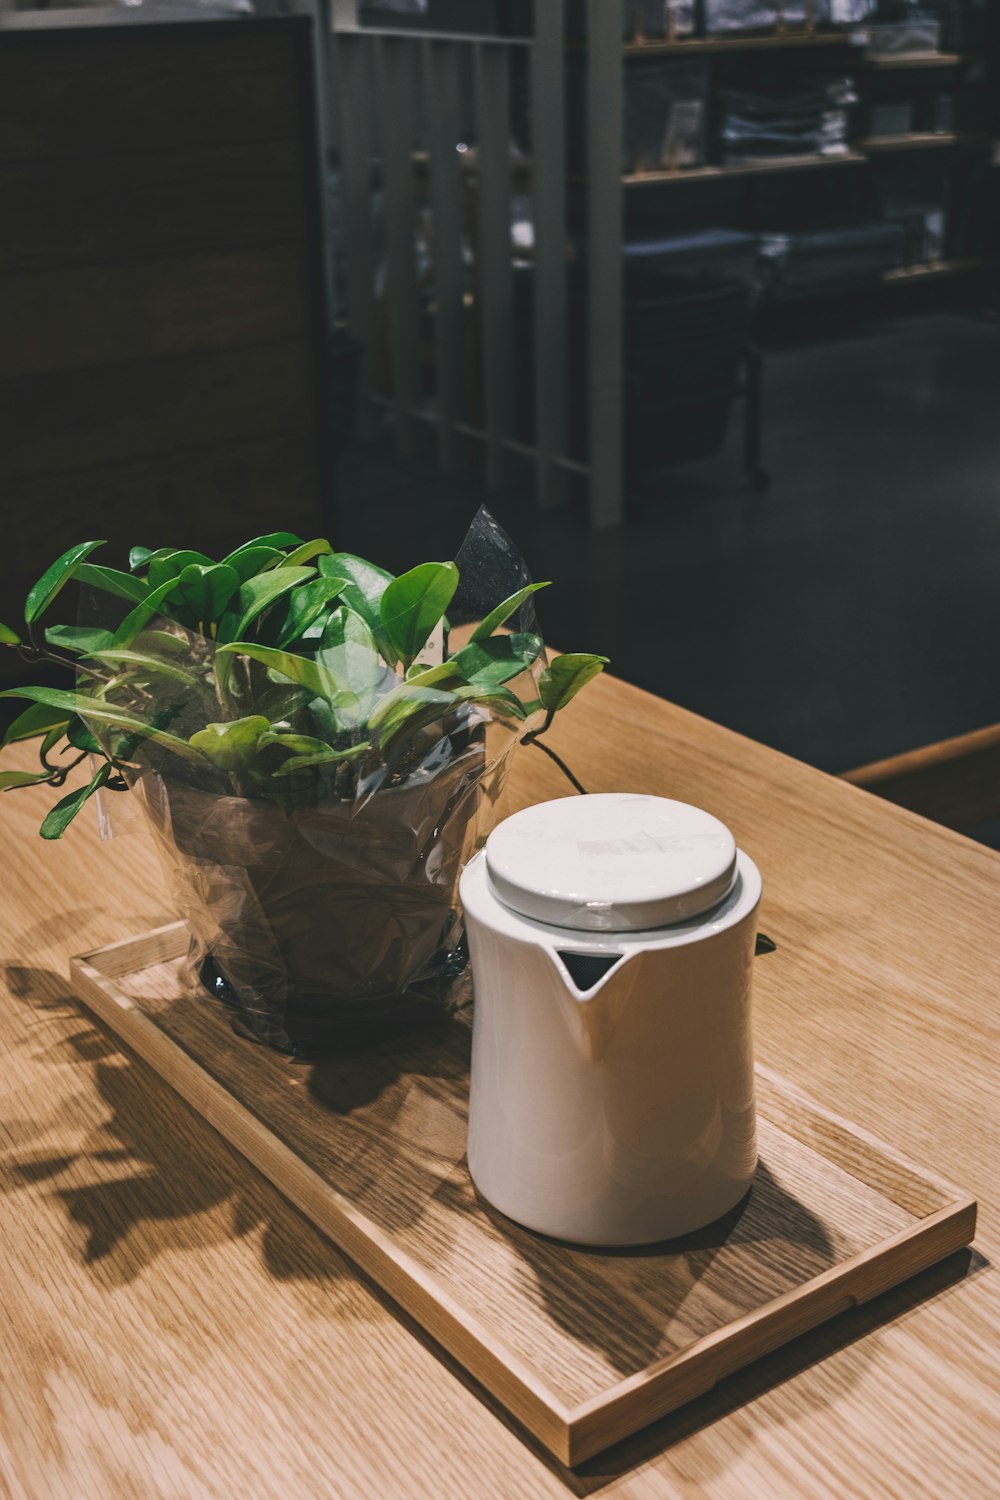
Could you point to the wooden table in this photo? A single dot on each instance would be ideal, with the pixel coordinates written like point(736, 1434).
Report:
point(171, 1327)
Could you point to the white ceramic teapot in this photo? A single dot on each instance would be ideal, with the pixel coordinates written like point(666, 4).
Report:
point(612, 942)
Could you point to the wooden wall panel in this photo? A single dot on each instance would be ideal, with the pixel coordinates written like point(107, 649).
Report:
point(59, 320)
point(162, 317)
point(106, 210)
point(122, 411)
point(116, 91)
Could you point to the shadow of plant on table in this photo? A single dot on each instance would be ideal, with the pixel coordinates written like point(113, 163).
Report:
point(148, 1177)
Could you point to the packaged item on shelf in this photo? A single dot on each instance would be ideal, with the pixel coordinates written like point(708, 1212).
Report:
point(890, 119)
point(923, 226)
point(916, 33)
point(812, 121)
point(763, 15)
point(666, 112)
point(657, 18)
point(850, 12)
point(816, 263)
point(724, 254)
point(943, 114)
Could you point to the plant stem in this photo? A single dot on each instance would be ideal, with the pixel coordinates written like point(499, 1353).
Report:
point(532, 739)
point(35, 653)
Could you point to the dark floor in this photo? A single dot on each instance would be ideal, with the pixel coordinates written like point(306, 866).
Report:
point(850, 613)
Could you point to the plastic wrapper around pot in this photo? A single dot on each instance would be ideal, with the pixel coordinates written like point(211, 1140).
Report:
point(327, 911)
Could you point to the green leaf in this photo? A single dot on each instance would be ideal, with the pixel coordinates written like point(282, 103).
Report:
point(406, 703)
point(348, 650)
point(319, 546)
point(162, 640)
point(81, 738)
point(304, 606)
point(55, 578)
point(272, 539)
point(500, 699)
point(231, 746)
point(142, 614)
point(321, 758)
point(139, 556)
point(58, 819)
point(34, 721)
point(78, 638)
point(9, 637)
point(295, 744)
point(205, 592)
point(171, 562)
point(298, 669)
point(112, 581)
point(492, 662)
point(150, 664)
point(105, 713)
point(11, 779)
point(503, 612)
point(565, 677)
point(51, 740)
point(256, 595)
point(249, 561)
point(363, 592)
point(413, 604)
point(281, 701)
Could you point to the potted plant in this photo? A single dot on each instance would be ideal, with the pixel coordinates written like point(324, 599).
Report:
point(313, 749)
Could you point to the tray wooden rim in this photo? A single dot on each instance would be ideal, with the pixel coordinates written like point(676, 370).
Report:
point(572, 1433)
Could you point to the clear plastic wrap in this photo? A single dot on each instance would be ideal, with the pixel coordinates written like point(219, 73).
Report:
point(315, 838)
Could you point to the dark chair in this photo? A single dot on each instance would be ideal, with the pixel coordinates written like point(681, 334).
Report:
point(688, 355)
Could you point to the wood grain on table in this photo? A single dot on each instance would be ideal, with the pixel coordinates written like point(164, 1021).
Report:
point(172, 1327)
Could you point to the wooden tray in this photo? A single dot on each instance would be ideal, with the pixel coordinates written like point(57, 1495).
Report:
point(583, 1347)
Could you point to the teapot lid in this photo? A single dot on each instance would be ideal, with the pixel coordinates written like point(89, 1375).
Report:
point(611, 862)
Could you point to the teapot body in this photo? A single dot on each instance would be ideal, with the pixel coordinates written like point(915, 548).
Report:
point(612, 1097)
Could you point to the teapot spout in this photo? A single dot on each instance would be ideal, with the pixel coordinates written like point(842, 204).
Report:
point(597, 986)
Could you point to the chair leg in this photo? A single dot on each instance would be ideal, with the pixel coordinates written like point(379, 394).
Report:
point(760, 479)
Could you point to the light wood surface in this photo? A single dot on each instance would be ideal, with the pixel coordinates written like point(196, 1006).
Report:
point(583, 1347)
point(172, 1327)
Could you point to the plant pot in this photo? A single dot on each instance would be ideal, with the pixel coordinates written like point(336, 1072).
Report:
point(330, 923)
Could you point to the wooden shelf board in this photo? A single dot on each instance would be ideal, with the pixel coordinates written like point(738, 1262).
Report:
point(921, 60)
point(772, 41)
point(933, 270)
point(745, 169)
point(918, 141)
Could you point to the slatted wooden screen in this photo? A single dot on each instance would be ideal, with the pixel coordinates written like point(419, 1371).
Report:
point(460, 351)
